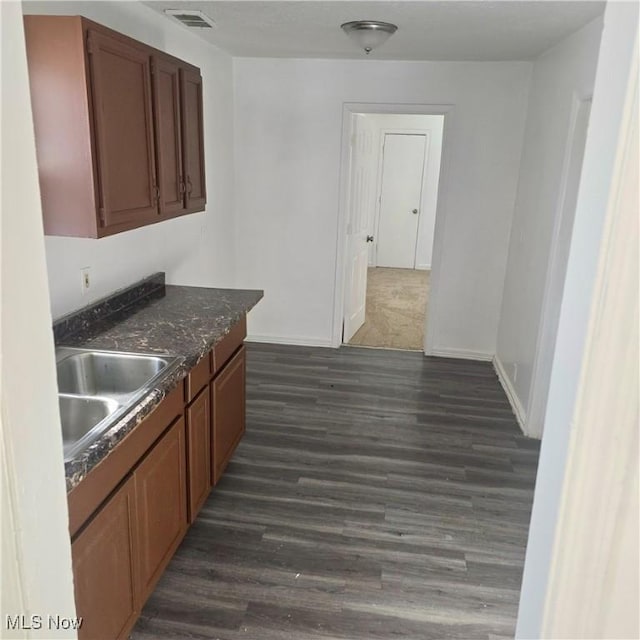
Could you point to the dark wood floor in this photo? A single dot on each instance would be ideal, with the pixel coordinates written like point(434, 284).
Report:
point(376, 495)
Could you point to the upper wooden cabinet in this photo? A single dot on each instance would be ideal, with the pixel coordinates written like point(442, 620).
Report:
point(118, 127)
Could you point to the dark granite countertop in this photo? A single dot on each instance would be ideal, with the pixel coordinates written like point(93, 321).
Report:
point(150, 317)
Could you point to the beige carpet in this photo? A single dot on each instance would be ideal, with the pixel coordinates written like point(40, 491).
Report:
point(396, 308)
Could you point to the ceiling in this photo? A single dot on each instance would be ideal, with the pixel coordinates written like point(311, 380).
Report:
point(427, 30)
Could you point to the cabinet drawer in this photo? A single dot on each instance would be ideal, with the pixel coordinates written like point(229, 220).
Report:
point(228, 345)
point(197, 379)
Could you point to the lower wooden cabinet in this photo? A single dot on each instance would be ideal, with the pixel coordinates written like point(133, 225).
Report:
point(198, 452)
point(120, 555)
point(130, 513)
point(161, 506)
point(105, 569)
point(228, 411)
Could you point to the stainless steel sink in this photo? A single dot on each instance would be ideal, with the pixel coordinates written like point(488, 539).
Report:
point(79, 415)
point(112, 375)
point(96, 388)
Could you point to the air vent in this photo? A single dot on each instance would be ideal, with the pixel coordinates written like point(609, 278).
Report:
point(191, 19)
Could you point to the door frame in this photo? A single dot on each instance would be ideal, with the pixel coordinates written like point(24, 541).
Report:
point(371, 108)
point(376, 216)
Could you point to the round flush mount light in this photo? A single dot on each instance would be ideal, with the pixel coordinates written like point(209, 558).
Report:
point(369, 34)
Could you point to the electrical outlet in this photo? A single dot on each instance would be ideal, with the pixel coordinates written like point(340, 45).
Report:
point(85, 279)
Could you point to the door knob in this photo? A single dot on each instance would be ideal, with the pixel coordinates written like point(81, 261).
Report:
point(369, 238)
point(414, 211)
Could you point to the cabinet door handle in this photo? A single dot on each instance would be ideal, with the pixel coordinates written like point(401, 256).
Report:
point(189, 186)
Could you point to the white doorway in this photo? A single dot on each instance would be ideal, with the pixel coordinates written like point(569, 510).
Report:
point(391, 173)
point(403, 157)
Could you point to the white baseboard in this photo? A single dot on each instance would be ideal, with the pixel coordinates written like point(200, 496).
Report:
point(297, 341)
point(423, 267)
point(512, 396)
point(463, 354)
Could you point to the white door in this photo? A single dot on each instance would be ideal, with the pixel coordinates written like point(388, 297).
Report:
point(402, 171)
point(361, 198)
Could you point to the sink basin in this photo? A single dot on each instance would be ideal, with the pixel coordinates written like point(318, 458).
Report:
point(79, 415)
point(112, 375)
point(96, 388)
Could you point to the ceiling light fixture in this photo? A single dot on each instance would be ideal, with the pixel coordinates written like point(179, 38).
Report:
point(369, 34)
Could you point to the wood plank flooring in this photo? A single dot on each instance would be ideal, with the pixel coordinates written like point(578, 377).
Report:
point(376, 495)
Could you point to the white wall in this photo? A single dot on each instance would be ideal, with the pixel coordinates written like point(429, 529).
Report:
point(196, 249)
point(433, 127)
point(288, 149)
point(36, 551)
point(559, 76)
point(607, 113)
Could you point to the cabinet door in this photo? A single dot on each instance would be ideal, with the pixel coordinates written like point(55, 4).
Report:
point(104, 569)
point(161, 501)
point(193, 140)
point(166, 94)
point(123, 128)
point(228, 401)
point(198, 448)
